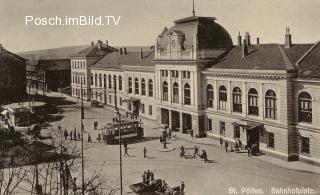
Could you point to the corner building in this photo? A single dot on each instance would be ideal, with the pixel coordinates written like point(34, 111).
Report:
point(195, 79)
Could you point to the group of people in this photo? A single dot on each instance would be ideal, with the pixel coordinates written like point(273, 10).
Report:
point(74, 135)
point(147, 176)
point(203, 156)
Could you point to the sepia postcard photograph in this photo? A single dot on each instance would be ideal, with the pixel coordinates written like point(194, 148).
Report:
point(150, 97)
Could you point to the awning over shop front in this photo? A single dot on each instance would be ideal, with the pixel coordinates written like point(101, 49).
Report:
point(249, 125)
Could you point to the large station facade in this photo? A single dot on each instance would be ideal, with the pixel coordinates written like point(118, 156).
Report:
point(195, 79)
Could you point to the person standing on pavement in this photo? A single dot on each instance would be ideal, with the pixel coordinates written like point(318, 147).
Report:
point(89, 138)
point(65, 134)
point(182, 151)
point(226, 145)
point(75, 134)
point(70, 135)
point(145, 152)
point(125, 145)
point(182, 188)
point(79, 136)
point(221, 141)
point(249, 151)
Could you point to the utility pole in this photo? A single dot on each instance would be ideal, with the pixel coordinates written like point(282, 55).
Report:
point(81, 118)
point(120, 151)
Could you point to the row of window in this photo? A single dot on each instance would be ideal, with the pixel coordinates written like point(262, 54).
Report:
point(175, 73)
point(175, 93)
point(96, 80)
point(305, 102)
point(143, 86)
point(78, 64)
point(149, 110)
point(78, 79)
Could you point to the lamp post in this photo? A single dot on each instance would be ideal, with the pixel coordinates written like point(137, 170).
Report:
point(81, 121)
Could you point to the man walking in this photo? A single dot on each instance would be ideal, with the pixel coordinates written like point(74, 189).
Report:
point(65, 134)
point(226, 145)
point(145, 152)
point(182, 187)
point(221, 141)
point(125, 145)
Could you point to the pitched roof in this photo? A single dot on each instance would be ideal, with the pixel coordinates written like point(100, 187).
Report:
point(95, 51)
point(5, 54)
point(262, 57)
point(115, 60)
point(295, 52)
point(309, 64)
point(54, 64)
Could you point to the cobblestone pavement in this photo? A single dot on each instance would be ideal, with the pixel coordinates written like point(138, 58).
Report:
point(226, 171)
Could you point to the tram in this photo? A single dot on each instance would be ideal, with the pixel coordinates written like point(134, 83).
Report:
point(130, 130)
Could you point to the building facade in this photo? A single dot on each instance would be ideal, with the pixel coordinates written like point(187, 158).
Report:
point(194, 79)
point(12, 77)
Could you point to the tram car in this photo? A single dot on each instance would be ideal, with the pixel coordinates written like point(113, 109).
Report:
point(130, 130)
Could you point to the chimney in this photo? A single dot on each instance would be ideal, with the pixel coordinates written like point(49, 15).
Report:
point(244, 48)
point(239, 40)
point(141, 54)
point(99, 44)
point(125, 51)
point(107, 43)
point(1, 47)
point(247, 37)
point(288, 40)
point(258, 41)
point(120, 51)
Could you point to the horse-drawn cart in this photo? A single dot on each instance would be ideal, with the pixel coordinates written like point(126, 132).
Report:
point(154, 187)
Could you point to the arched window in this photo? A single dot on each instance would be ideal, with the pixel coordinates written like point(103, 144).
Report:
point(120, 83)
point(143, 87)
point(105, 81)
point(130, 84)
point(253, 107)
point(305, 107)
point(209, 96)
point(175, 92)
point(187, 94)
point(271, 104)
point(150, 86)
point(115, 81)
point(236, 96)
point(136, 86)
point(109, 81)
point(95, 80)
point(223, 98)
point(100, 80)
point(165, 91)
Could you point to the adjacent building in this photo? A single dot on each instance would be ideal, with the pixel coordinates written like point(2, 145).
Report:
point(12, 76)
point(194, 79)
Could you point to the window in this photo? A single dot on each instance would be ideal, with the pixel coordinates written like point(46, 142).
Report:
point(236, 96)
point(150, 110)
point(165, 91)
point(84, 80)
point(150, 88)
point(175, 92)
point(222, 128)
point(120, 83)
point(305, 145)
point(105, 81)
point(223, 98)
point(110, 100)
point(271, 104)
point(188, 74)
point(209, 96)
point(92, 79)
point(209, 124)
point(271, 140)
point(114, 81)
point(183, 74)
point(110, 81)
point(100, 80)
point(120, 101)
point(143, 87)
point(142, 108)
point(236, 132)
point(130, 84)
point(187, 94)
point(136, 86)
point(95, 80)
point(305, 107)
point(253, 102)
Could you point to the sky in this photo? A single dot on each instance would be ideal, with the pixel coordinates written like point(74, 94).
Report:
point(142, 20)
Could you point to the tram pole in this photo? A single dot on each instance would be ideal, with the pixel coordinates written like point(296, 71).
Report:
point(119, 118)
point(82, 158)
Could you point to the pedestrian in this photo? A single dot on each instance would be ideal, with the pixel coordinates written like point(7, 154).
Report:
point(182, 188)
point(182, 151)
point(161, 139)
point(249, 151)
point(79, 136)
point(89, 138)
point(70, 135)
point(125, 149)
point(204, 156)
point(148, 175)
point(169, 134)
point(151, 176)
point(75, 134)
point(99, 138)
point(221, 141)
point(196, 151)
point(65, 134)
point(226, 145)
point(145, 152)
point(144, 177)
point(74, 186)
point(191, 133)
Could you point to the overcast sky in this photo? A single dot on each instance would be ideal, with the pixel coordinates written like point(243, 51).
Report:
point(143, 20)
